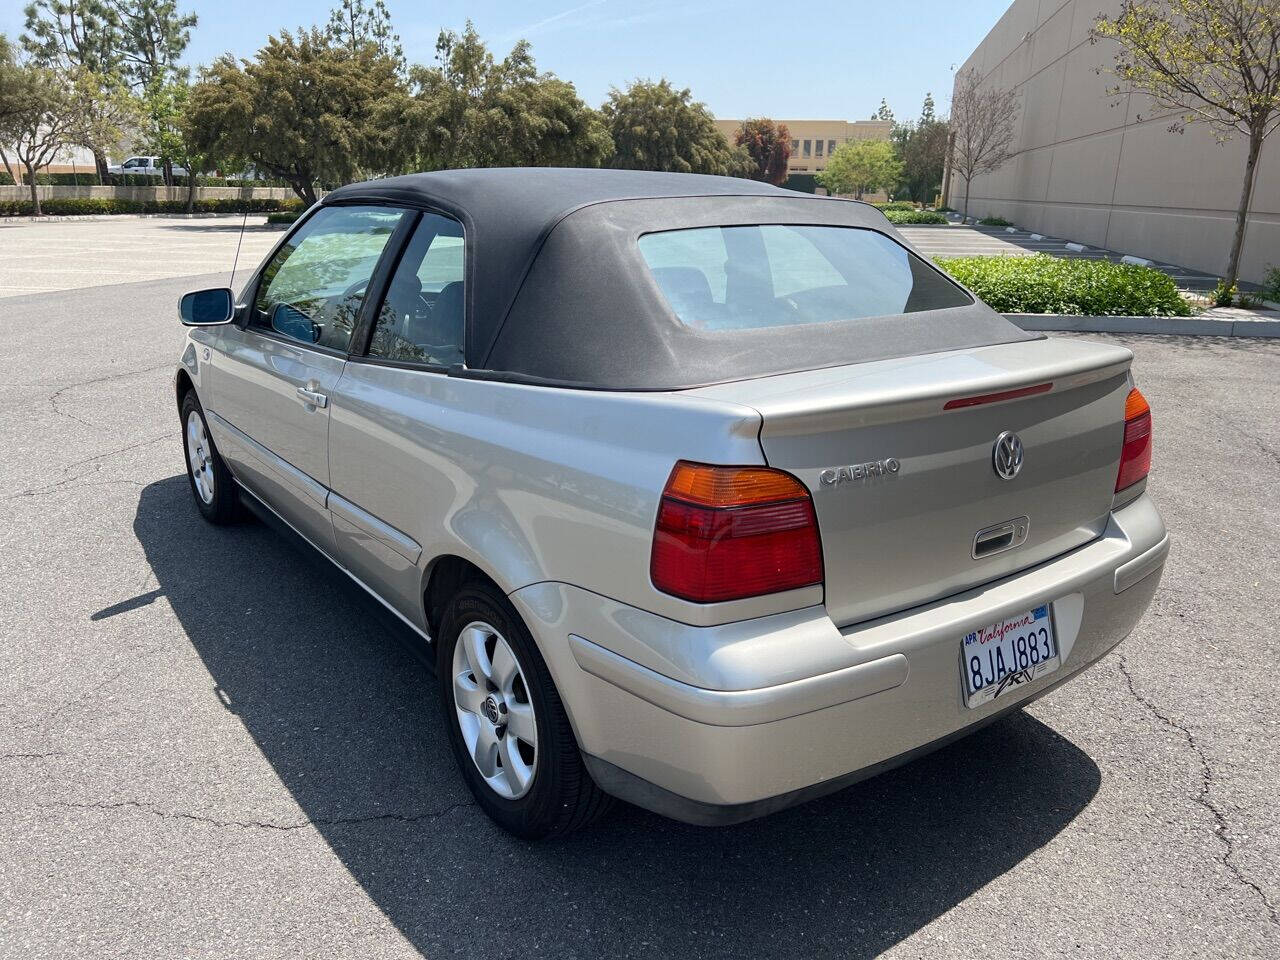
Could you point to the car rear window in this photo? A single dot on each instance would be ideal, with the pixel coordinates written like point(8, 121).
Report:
point(772, 275)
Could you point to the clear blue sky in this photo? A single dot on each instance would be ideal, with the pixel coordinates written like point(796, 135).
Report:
point(830, 59)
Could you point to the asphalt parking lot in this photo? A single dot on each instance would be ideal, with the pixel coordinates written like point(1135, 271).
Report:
point(42, 256)
point(211, 745)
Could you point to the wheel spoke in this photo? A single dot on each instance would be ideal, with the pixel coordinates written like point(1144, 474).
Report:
point(473, 641)
point(467, 695)
point(504, 666)
point(516, 772)
point(521, 722)
point(485, 750)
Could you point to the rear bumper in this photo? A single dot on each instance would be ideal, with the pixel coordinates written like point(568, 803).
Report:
point(724, 723)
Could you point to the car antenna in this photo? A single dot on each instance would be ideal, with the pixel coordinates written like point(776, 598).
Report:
point(239, 240)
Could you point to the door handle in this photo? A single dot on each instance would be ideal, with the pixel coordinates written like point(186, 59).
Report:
point(312, 397)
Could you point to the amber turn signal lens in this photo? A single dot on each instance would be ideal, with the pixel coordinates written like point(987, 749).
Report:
point(1135, 405)
point(709, 486)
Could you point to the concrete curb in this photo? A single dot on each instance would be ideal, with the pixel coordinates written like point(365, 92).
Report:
point(1179, 326)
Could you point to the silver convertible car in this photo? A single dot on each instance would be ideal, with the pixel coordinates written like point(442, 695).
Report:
point(703, 494)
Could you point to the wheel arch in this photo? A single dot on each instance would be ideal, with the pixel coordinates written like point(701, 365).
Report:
point(444, 576)
point(182, 385)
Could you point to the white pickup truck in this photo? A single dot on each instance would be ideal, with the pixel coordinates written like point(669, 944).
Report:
point(145, 167)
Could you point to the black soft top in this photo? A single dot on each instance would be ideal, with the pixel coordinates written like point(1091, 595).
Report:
point(557, 291)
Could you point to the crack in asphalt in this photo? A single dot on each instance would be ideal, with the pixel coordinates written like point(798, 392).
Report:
point(261, 824)
point(1221, 828)
point(53, 488)
point(54, 398)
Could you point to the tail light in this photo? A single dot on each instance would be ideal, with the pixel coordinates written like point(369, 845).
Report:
point(725, 533)
point(1135, 457)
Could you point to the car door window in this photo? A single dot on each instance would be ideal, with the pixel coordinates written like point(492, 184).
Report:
point(421, 320)
point(312, 289)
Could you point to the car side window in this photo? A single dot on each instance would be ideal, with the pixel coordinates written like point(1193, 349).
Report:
point(421, 320)
point(312, 289)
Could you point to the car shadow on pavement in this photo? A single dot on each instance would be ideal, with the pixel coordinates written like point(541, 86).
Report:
point(350, 722)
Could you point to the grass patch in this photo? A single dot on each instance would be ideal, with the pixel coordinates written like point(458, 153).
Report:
point(1045, 284)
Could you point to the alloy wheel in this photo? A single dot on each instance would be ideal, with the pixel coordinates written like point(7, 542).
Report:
point(200, 456)
point(494, 710)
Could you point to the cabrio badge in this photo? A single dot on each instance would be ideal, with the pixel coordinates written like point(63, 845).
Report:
point(834, 476)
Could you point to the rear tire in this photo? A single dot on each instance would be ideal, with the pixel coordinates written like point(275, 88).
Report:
point(211, 484)
point(495, 708)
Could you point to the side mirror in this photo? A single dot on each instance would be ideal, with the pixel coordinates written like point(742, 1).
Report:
point(207, 308)
point(293, 323)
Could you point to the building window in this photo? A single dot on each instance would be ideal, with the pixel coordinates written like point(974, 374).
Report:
point(808, 145)
point(831, 147)
point(795, 147)
point(817, 148)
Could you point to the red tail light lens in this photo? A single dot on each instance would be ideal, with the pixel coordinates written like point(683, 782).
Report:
point(1135, 457)
point(726, 533)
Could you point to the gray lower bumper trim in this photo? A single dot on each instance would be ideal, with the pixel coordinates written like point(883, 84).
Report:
point(624, 785)
point(1141, 566)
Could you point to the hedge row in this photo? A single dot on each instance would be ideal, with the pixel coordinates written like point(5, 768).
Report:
point(1045, 284)
point(914, 216)
point(895, 205)
point(134, 180)
point(75, 206)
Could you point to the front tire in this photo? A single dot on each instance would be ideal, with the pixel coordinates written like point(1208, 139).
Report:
point(211, 484)
point(508, 728)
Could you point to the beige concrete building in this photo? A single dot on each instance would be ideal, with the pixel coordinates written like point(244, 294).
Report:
point(813, 141)
point(1113, 176)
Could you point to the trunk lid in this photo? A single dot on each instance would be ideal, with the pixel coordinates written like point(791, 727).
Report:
point(903, 486)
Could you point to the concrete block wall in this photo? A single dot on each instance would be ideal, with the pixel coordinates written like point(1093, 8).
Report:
point(1108, 172)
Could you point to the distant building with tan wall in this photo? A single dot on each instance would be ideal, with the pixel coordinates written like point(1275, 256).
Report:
point(813, 141)
point(1113, 176)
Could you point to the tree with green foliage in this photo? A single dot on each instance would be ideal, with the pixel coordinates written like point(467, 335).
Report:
point(884, 113)
point(153, 36)
point(471, 110)
point(927, 111)
point(768, 144)
point(861, 166)
point(353, 24)
point(12, 101)
point(1215, 62)
point(302, 110)
point(924, 154)
point(657, 127)
point(63, 34)
point(72, 37)
point(169, 133)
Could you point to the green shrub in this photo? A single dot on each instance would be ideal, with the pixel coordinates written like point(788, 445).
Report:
point(1223, 296)
point(1045, 284)
point(77, 206)
point(1271, 285)
point(284, 216)
point(914, 216)
point(946, 210)
point(895, 205)
point(995, 222)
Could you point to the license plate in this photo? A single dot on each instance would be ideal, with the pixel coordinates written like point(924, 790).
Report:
point(1008, 654)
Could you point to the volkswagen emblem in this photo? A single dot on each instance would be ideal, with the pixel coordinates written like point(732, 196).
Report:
point(491, 710)
point(1006, 455)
